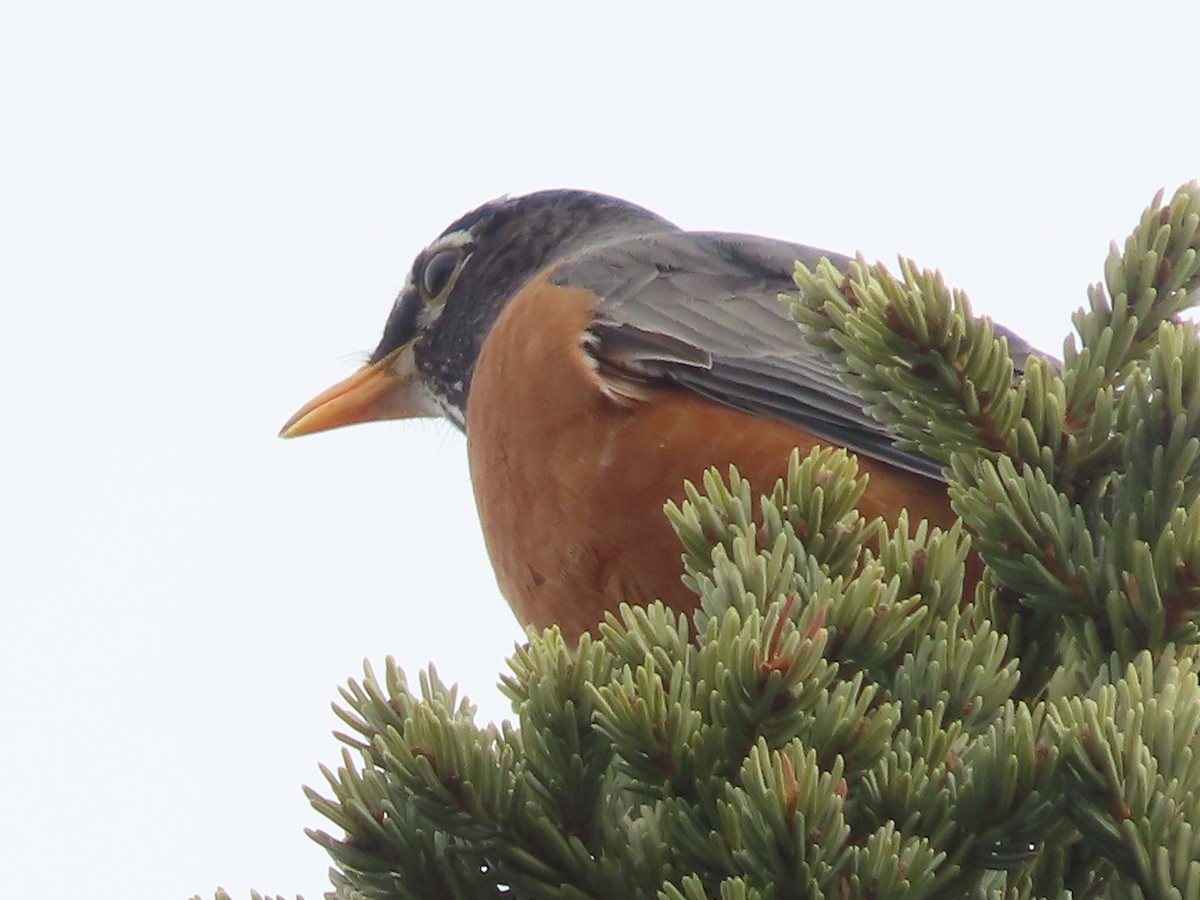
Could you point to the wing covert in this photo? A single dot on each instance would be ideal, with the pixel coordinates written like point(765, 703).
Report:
point(702, 310)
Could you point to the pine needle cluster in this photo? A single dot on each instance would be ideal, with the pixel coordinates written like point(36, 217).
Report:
point(838, 719)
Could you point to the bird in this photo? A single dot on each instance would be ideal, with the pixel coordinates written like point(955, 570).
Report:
point(597, 356)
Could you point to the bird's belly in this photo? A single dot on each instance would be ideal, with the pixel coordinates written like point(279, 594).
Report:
point(576, 525)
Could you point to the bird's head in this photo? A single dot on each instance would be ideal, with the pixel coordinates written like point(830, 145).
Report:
point(455, 290)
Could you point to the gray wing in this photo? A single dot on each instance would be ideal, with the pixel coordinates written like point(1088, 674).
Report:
point(702, 310)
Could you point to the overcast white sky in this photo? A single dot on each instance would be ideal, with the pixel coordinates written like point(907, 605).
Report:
point(205, 211)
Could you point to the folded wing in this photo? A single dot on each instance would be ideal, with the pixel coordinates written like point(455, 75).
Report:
point(703, 310)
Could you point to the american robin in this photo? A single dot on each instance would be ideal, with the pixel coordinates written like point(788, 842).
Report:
point(597, 356)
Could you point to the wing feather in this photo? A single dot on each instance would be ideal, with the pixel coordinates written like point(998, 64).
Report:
point(702, 310)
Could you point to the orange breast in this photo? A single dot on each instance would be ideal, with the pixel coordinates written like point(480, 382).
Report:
point(570, 482)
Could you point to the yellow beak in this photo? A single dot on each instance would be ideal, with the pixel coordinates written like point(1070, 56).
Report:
point(388, 389)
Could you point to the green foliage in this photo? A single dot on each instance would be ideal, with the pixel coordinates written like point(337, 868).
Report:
point(838, 719)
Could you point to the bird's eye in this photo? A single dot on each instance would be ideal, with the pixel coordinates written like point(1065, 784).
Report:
point(438, 271)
